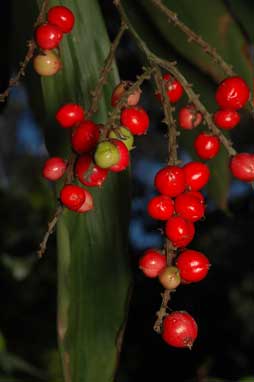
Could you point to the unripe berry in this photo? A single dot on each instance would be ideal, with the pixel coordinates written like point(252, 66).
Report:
point(123, 134)
point(189, 207)
point(152, 262)
point(135, 119)
point(170, 277)
point(124, 157)
point(106, 154)
point(119, 91)
point(88, 203)
point(196, 175)
point(88, 173)
point(232, 93)
point(160, 207)
point(62, 17)
point(179, 231)
point(47, 63)
point(193, 265)
point(242, 167)
point(54, 168)
point(206, 145)
point(48, 36)
point(179, 330)
point(85, 137)
point(189, 117)
point(174, 89)
point(226, 119)
point(72, 196)
point(69, 115)
point(170, 181)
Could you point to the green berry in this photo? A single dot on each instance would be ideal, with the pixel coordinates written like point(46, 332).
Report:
point(106, 154)
point(123, 135)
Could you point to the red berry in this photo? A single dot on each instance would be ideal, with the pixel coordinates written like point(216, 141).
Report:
point(189, 117)
point(179, 330)
point(226, 119)
point(189, 207)
point(152, 262)
point(72, 196)
point(173, 88)
point(197, 195)
point(193, 265)
point(242, 167)
point(88, 173)
point(88, 203)
point(170, 181)
point(196, 175)
point(232, 93)
point(179, 231)
point(120, 89)
point(54, 168)
point(169, 277)
point(160, 207)
point(62, 17)
point(85, 137)
point(48, 36)
point(206, 145)
point(124, 156)
point(135, 119)
point(70, 114)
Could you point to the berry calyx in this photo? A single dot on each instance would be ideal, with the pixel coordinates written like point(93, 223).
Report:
point(85, 137)
point(72, 196)
point(170, 277)
point(135, 119)
point(179, 231)
point(242, 167)
point(189, 117)
point(174, 89)
point(232, 93)
point(193, 265)
point(123, 134)
point(170, 181)
point(160, 207)
point(124, 157)
point(179, 330)
point(47, 63)
point(54, 168)
point(88, 173)
point(226, 119)
point(69, 115)
point(196, 174)
point(48, 36)
point(206, 145)
point(62, 17)
point(106, 154)
point(88, 203)
point(189, 207)
point(152, 262)
point(120, 89)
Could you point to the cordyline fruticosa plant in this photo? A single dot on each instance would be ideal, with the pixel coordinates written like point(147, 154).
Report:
point(77, 85)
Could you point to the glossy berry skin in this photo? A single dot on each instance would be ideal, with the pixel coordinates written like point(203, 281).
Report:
point(124, 135)
point(193, 265)
point(179, 330)
point(189, 207)
point(135, 119)
point(88, 203)
point(48, 36)
point(85, 137)
point(174, 89)
point(88, 173)
point(160, 207)
point(54, 168)
point(69, 115)
point(47, 63)
point(189, 117)
point(197, 195)
point(72, 196)
point(170, 181)
point(179, 231)
point(106, 155)
point(232, 93)
point(62, 17)
point(226, 118)
point(119, 91)
point(242, 167)
point(170, 278)
point(196, 174)
point(152, 262)
point(124, 157)
point(206, 146)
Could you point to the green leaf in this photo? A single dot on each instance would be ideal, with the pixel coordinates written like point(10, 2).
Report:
point(243, 12)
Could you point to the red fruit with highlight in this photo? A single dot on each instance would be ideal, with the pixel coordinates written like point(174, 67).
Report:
point(226, 119)
point(69, 115)
point(179, 330)
point(189, 117)
point(88, 203)
point(85, 137)
point(54, 168)
point(48, 36)
point(197, 195)
point(135, 119)
point(89, 173)
point(170, 181)
point(232, 93)
point(189, 207)
point(242, 167)
point(62, 17)
point(179, 231)
point(193, 265)
point(174, 89)
point(206, 145)
point(160, 207)
point(196, 175)
point(72, 196)
point(152, 262)
point(124, 156)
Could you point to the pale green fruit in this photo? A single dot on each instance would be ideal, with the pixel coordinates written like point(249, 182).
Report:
point(123, 135)
point(170, 277)
point(47, 63)
point(106, 155)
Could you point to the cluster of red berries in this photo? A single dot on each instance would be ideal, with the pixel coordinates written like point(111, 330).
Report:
point(48, 36)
